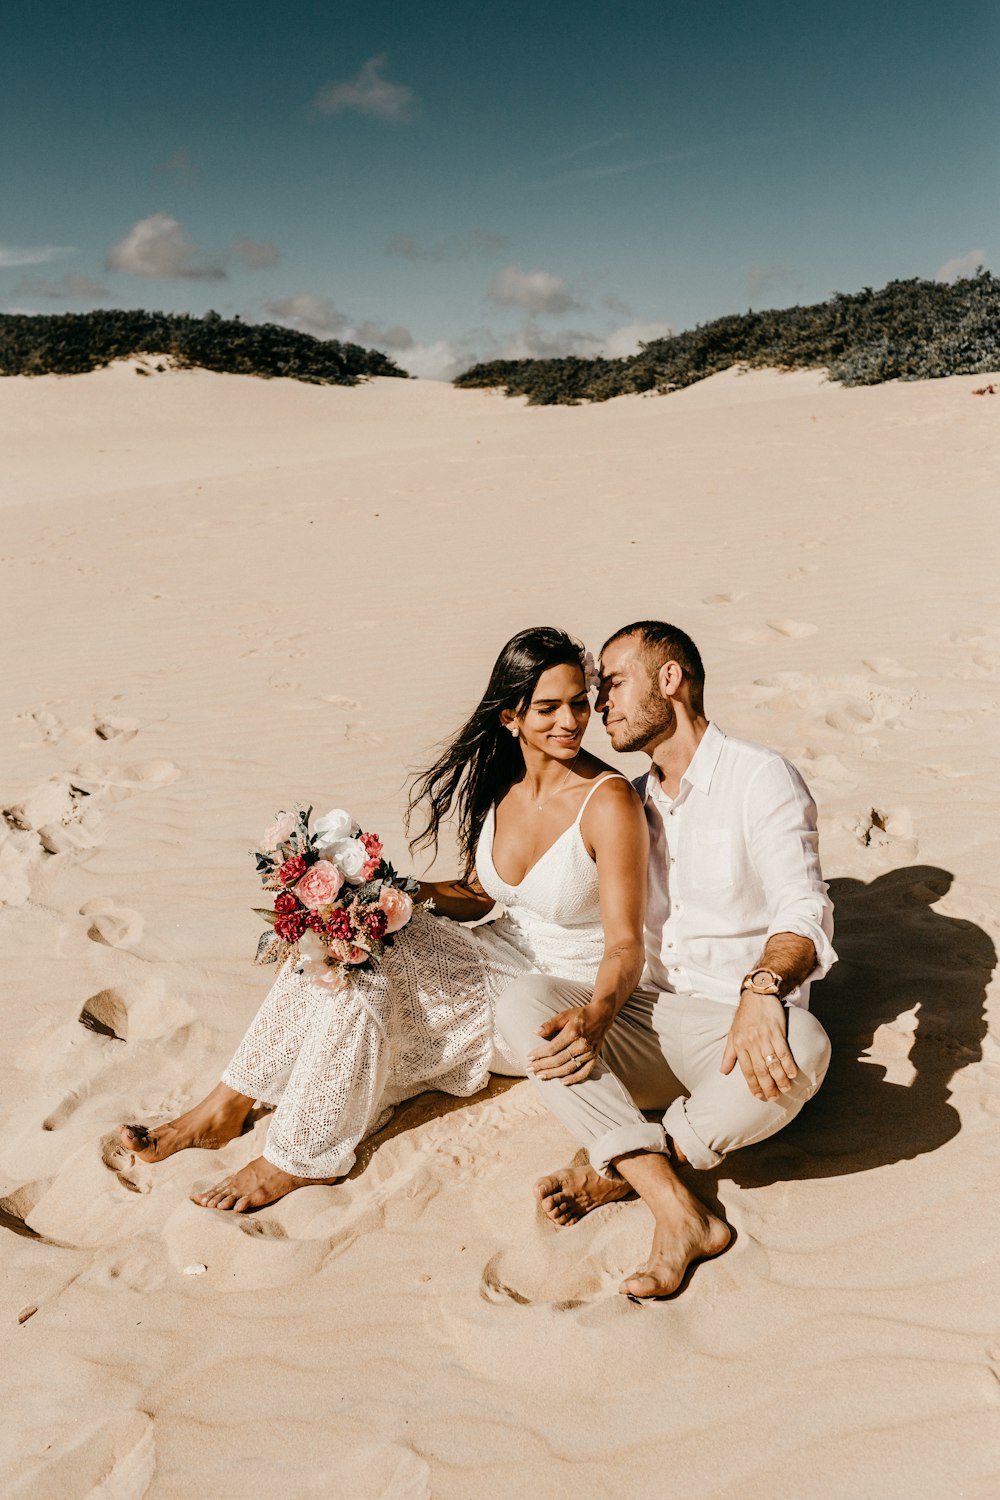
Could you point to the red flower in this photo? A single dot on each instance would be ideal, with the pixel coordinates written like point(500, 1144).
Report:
point(338, 925)
point(291, 927)
point(285, 902)
point(376, 923)
point(315, 921)
point(292, 870)
point(372, 843)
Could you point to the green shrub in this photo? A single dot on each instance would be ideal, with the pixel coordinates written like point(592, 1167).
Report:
point(72, 343)
point(910, 330)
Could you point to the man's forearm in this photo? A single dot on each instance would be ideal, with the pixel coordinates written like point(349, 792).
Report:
point(790, 956)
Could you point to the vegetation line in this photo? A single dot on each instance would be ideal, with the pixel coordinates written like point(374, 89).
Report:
point(73, 343)
point(910, 330)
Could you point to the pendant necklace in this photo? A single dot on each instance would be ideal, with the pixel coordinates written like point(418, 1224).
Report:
point(562, 785)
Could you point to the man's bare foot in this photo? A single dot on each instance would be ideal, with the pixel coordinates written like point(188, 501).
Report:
point(254, 1186)
point(571, 1192)
point(216, 1121)
point(680, 1239)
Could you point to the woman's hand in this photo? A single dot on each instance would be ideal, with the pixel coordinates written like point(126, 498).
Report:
point(572, 1043)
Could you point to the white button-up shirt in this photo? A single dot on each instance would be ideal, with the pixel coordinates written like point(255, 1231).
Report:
point(733, 859)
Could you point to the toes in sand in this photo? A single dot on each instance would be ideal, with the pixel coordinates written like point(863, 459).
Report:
point(213, 1123)
point(571, 1192)
point(673, 1252)
point(254, 1186)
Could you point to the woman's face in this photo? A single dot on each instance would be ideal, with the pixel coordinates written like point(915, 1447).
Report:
point(558, 714)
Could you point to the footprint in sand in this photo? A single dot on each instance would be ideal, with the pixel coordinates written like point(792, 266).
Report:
point(47, 725)
point(733, 598)
point(106, 1013)
point(116, 926)
point(567, 1268)
point(133, 1174)
point(116, 729)
point(16, 1206)
point(145, 776)
point(886, 666)
point(882, 828)
point(795, 629)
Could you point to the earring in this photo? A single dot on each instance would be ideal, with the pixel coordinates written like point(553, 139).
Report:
point(513, 729)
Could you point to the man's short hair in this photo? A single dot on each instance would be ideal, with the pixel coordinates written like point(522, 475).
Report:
point(662, 643)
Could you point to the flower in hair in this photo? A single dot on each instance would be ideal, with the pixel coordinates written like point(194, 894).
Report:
point(591, 675)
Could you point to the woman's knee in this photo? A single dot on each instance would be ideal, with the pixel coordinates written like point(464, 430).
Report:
point(524, 1005)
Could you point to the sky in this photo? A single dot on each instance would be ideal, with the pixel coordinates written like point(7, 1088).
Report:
point(459, 181)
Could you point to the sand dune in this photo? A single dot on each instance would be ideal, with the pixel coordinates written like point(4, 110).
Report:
point(221, 594)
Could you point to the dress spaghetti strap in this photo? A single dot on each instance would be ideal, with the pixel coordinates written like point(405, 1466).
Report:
point(608, 776)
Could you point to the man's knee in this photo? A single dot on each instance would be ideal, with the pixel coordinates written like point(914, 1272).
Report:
point(523, 1006)
point(809, 1043)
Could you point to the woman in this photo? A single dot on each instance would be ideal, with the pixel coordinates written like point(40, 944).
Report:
point(547, 831)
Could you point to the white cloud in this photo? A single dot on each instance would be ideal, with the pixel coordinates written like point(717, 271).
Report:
point(67, 288)
point(441, 360)
point(535, 291)
point(532, 342)
point(156, 248)
point(368, 93)
point(962, 266)
point(318, 316)
point(477, 242)
point(256, 255)
point(766, 283)
point(13, 255)
point(309, 314)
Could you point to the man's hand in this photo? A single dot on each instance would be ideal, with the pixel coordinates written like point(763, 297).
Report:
point(758, 1042)
point(573, 1042)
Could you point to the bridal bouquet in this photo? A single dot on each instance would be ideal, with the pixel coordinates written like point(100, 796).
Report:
point(337, 901)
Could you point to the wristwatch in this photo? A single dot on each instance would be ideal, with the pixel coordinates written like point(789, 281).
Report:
point(762, 982)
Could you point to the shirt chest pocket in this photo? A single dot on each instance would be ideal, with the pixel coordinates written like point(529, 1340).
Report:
point(712, 863)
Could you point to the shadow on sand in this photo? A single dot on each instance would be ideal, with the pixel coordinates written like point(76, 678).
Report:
point(905, 967)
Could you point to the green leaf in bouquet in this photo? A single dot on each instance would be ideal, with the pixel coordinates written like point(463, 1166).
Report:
point(263, 911)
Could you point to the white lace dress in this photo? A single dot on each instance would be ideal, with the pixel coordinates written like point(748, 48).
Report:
point(336, 1064)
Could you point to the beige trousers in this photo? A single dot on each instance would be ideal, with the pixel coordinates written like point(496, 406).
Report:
point(663, 1054)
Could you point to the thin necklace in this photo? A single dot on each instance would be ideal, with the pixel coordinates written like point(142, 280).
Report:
point(562, 785)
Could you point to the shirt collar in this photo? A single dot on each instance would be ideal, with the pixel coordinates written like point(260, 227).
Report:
point(703, 763)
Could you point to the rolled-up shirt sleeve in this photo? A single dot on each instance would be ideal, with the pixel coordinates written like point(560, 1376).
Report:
point(784, 846)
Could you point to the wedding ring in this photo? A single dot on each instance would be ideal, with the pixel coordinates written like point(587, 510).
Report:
point(770, 1058)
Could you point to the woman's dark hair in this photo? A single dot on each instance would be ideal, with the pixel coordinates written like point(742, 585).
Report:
point(482, 761)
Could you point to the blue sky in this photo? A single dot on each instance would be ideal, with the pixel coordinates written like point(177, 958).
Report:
point(451, 181)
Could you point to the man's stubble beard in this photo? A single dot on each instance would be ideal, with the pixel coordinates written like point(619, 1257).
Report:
point(655, 716)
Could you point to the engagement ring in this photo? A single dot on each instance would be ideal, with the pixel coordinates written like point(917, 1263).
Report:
point(770, 1058)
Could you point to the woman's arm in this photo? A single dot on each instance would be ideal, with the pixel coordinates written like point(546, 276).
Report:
point(462, 900)
point(614, 827)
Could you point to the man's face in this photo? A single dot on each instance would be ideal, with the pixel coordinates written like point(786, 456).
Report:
point(634, 711)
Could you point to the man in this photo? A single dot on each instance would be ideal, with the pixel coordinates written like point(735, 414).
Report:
point(718, 1037)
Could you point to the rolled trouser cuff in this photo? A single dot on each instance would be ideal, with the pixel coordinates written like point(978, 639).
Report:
point(678, 1127)
point(623, 1140)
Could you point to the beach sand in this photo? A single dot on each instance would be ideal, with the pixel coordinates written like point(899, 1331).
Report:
point(221, 595)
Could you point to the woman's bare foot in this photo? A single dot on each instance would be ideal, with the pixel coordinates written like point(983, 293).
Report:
point(216, 1121)
point(571, 1192)
point(254, 1186)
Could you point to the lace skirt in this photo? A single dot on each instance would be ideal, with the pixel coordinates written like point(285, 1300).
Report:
point(336, 1063)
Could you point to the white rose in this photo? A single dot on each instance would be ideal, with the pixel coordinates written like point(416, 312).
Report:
point(350, 856)
point(334, 828)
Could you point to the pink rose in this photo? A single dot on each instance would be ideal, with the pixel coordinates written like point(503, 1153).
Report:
point(347, 953)
point(279, 832)
point(319, 885)
point(397, 905)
